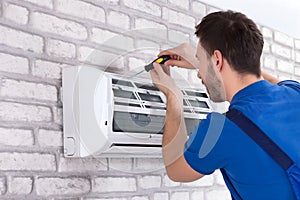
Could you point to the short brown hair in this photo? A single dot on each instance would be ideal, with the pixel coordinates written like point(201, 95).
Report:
point(236, 36)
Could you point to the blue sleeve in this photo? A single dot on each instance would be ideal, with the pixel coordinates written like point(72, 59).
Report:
point(202, 150)
point(290, 83)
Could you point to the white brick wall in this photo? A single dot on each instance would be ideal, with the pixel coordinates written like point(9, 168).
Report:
point(19, 39)
point(20, 185)
point(39, 38)
point(16, 13)
point(81, 9)
point(16, 137)
point(114, 184)
point(23, 112)
point(27, 161)
point(29, 90)
point(144, 6)
point(62, 186)
point(55, 25)
point(15, 64)
point(178, 18)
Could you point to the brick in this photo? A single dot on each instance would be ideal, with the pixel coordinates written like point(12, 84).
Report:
point(140, 198)
point(2, 185)
point(44, 3)
point(161, 196)
point(21, 112)
point(101, 36)
point(82, 165)
point(267, 33)
point(147, 47)
point(180, 3)
point(148, 165)
point(20, 185)
point(110, 2)
point(144, 6)
point(178, 18)
point(55, 25)
point(14, 64)
point(281, 51)
point(120, 164)
point(216, 194)
point(178, 37)
point(58, 48)
point(266, 47)
point(198, 195)
point(113, 40)
point(297, 71)
point(285, 66)
point(57, 115)
point(118, 19)
point(27, 161)
point(100, 58)
point(29, 90)
point(114, 184)
point(46, 69)
point(147, 182)
point(106, 198)
point(144, 23)
point(16, 137)
point(81, 9)
point(21, 40)
point(269, 62)
point(16, 13)
point(62, 186)
point(169, 183)
point(297, 44)
point(297, 56)
point(151, 28)
point(283, 39)
point(49, 138)
point(202, 182)
point(198, 8)
point(180, 196)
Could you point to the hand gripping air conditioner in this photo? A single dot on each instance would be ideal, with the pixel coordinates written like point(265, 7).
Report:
point(112, 115)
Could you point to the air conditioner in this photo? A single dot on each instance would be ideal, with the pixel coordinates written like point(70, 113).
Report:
point(114, 115)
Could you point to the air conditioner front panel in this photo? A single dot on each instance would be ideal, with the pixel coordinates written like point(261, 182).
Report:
point(112, 115)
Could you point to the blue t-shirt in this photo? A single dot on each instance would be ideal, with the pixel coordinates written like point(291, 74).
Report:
point(217, 143)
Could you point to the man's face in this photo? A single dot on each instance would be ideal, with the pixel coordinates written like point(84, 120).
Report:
point(210, 76)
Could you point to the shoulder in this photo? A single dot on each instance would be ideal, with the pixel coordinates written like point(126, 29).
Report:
point(290, 83)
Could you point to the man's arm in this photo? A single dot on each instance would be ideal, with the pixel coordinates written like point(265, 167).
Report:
point(270, 78)
point(175, 135)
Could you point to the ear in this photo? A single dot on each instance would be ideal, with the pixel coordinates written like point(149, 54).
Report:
point(217, 59)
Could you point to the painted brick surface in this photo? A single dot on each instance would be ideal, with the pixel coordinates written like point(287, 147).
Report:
point(16, 13)
point(16, 137)
point(14, 64)
point(40, 38)
point(27, 161)
point(20, 185)
point(52, 24)
point(22, 40)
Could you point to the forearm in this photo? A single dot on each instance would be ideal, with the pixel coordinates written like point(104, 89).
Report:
point(270, 78)
point(175, 135)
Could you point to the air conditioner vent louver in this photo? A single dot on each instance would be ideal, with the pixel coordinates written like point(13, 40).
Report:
point(112, 115)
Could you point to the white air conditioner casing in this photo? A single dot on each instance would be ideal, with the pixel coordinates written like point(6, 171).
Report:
point(112, 115)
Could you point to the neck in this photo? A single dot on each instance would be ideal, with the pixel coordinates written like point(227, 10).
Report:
point(238, 83)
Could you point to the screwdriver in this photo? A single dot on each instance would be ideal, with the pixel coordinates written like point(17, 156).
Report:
point(159, 60)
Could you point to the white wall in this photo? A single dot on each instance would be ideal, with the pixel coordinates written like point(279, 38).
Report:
point(39, 38)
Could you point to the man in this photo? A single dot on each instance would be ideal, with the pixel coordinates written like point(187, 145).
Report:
point(228, 62)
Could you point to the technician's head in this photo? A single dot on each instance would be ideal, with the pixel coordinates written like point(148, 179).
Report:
point(228, 37)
